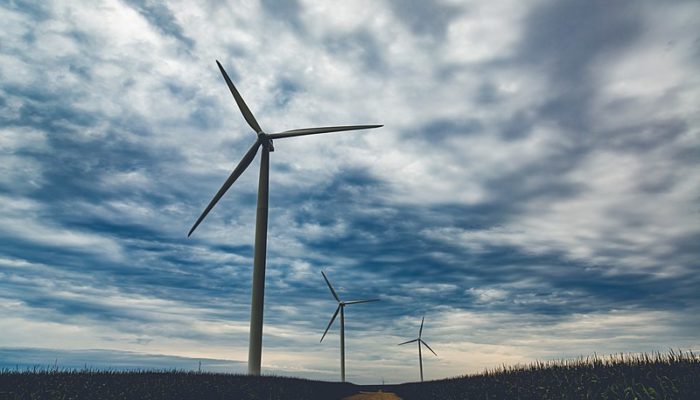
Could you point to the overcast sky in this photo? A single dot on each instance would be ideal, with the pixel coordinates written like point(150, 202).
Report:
point(534, 191)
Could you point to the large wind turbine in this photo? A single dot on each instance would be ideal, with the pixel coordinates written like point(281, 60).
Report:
point(420, 341)
point(264, 140)
point(341, 309)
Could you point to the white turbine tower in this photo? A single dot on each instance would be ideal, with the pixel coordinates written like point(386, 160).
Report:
point(264, 141)
point(420, 342)
point(341, 309)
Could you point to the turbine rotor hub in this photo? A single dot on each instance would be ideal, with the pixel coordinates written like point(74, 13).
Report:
point(264, 139)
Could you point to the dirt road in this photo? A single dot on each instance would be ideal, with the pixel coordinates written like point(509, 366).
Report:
point(373, 396)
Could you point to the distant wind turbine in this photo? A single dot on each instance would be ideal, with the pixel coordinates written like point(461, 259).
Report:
point(341, 309)
point(264, 140)
point(420, 341)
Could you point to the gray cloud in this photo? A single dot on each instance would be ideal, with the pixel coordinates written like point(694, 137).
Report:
point(160, 16)
point(430, 18)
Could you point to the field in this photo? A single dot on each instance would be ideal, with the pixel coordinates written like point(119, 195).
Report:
point(658, 376)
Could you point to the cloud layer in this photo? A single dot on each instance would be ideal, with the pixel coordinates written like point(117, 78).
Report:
point(534, 191)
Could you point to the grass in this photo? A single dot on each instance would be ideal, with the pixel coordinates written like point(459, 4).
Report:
point(674, 375)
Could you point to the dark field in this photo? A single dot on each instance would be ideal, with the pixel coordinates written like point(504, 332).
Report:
point(667, 376)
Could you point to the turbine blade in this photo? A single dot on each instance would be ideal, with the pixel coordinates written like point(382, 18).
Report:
point(242, 165)
point(335, 314)
point(330, 287)
point(420, 332)
point(239, 100)
point(325, 129)
point(410, 341)
point(426, 345)
point(360, 301)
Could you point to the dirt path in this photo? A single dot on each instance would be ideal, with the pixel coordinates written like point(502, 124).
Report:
point(373, 396)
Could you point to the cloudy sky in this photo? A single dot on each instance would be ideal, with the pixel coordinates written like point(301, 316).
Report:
point(534, 191)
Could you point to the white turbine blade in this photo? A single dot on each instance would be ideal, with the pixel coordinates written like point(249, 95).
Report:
point(250, 119)
point(426, 345)
point(330, 323)
point(410, 341)
point(360, 301)
point(420, 332)
point(325, 129)
point(330, 287)
point(242, 165)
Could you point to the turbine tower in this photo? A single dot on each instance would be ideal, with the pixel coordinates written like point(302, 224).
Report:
point(420, 341)
point(341, 309)
point(264, 140)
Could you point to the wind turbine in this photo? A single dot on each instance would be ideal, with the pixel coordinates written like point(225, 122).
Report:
point(341, 309)
point(420, 341)
point(264, 140)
